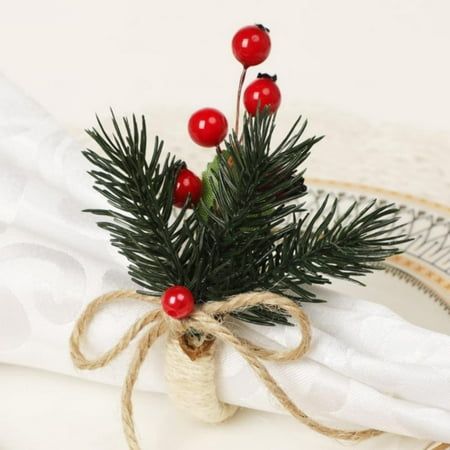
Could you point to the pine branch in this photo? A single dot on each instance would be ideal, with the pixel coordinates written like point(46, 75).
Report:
point(140, 194)
point(254, 190)
point(331, 246)
point(251, 230)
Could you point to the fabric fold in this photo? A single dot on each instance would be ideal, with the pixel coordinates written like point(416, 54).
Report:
point(367, 367)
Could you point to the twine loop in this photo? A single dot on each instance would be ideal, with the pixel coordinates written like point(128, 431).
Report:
point(207, 319)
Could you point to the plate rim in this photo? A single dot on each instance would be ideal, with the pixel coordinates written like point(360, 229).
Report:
point(366, 188)
point(437, 284)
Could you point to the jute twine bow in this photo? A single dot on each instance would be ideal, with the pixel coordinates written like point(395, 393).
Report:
point(208, 320)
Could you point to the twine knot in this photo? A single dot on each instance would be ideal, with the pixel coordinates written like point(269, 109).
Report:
point(195, 335)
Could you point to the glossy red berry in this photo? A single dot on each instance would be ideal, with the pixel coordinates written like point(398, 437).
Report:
point(261, 93)
point(187, 184)
point(178, 302)
point(208, 127)
point(251, 45)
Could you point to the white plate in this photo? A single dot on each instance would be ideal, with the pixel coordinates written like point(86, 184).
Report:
point(415, 284)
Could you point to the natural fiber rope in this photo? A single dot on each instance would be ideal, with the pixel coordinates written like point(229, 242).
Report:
point(190, 379)
point(205, 320)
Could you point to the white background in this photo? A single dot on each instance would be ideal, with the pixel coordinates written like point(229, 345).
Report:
point(387, 60)
point(372, 76)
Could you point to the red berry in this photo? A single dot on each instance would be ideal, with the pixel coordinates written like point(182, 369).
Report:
point(251, 45)
point(187, 184)
point(261, 93)
point(208, 127)
point(178, 302)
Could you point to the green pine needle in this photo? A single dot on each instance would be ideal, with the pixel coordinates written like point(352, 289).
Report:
point(250, 231)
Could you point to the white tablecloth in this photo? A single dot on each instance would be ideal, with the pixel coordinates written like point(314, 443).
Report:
point(370, 77)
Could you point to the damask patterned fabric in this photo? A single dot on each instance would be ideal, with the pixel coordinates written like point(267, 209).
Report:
point(367, 367)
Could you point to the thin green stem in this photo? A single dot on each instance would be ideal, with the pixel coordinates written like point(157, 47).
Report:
point(238, 101)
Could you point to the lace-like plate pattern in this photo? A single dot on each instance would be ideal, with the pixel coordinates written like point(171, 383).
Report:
point(425, 262)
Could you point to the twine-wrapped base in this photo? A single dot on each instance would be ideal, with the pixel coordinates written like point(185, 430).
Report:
point(190, 362)
point(190, 376)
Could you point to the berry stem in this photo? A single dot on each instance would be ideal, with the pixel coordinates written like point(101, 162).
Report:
point(238, 101)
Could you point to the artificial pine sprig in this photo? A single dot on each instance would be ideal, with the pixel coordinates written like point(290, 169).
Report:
point(244, 226)
point(140, 193)
point(254, 235)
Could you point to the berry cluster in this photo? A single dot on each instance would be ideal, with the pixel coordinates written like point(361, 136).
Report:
point(208, 127)
point(247, 229)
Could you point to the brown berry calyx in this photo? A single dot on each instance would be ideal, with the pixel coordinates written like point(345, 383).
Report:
point(267, 76)
point(262, 27)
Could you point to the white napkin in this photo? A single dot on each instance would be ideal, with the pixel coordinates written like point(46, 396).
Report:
point(368, 367)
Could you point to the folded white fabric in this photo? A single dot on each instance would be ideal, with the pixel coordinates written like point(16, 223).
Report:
point(367, 366)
